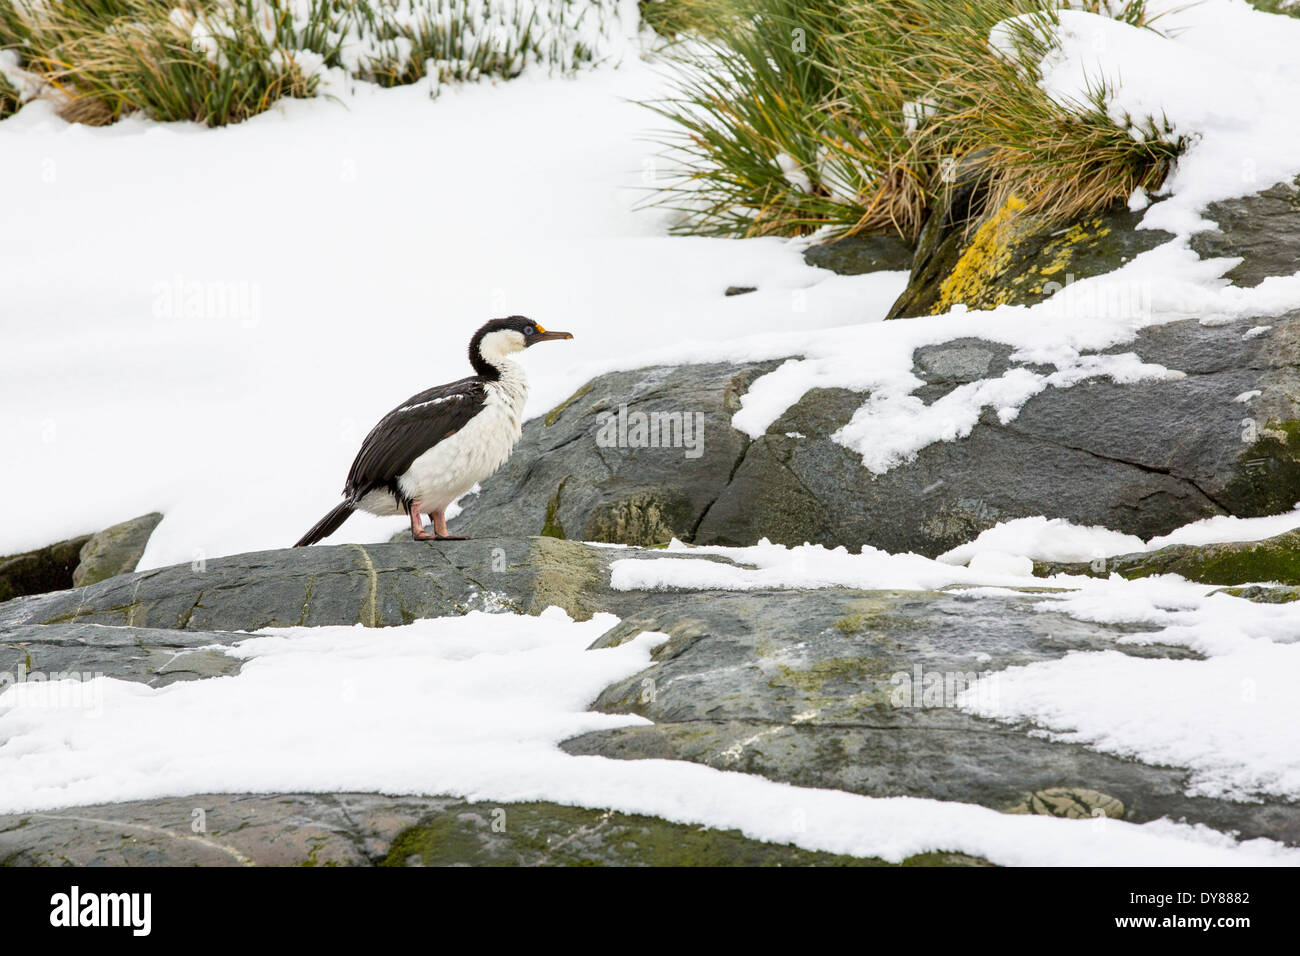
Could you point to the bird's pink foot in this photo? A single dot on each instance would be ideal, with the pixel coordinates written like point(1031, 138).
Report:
point(440, 527)
point(439, 521)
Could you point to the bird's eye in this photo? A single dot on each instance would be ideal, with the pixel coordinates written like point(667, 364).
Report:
point(529, 330)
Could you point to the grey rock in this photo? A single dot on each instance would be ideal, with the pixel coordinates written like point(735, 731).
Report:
point(1023, 262)
point(545, 834)
point(116, 550)
point(374, 585)
point(1262, 229)
point(216, 830)
point(1142, 458)
point(154, 656)
point(813, 688)
point(365, 829)
point(564, 481)
point(1275, 559)
point(857, 255)
point(1264, 594)
point(798, 686)
point(45, 569)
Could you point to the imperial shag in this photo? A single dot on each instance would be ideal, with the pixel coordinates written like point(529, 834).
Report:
point(437, 445)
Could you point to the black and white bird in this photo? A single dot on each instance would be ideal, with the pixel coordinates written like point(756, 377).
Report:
point(437, 445)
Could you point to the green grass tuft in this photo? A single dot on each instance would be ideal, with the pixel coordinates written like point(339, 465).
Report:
point(9, 97)
point(222, 61)
point(791, 116)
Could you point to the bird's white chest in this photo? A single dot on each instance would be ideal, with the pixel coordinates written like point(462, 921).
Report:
point(457, 463)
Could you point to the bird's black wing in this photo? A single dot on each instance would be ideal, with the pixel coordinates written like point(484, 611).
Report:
point(409, 430)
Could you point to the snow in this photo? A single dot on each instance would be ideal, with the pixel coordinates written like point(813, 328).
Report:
point(1056, 539)
point(220, 333)
point(766, 565)
point(1222, 528)
point(1000, 563)
point(190, 304)
point(1224, 82)
point(1230, 719)
point(474, 707)
point(1046, 539)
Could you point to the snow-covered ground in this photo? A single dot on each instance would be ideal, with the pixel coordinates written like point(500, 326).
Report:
point(360, 244)
point(206, 322)
point(474, 706)
point(235, 307)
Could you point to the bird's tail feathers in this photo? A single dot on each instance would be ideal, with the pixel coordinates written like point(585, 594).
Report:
point(327, 525)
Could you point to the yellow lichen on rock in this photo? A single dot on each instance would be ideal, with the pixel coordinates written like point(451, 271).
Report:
point(971, 281)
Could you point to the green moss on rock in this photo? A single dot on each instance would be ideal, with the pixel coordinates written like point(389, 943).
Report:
point(116, 550)
point(547, 834)
point(551, 524)
point(554, 414)
point(1275, 560)
point(565, 574)
point(646, 518)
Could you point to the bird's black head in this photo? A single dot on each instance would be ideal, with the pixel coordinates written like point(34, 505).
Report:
point(501, 337)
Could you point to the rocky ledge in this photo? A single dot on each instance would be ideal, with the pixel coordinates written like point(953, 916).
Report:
point(1141, 458)
point(793, 685)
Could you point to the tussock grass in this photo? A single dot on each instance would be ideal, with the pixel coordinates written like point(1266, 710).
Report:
point(221, 61)
point(1288, 8)
point(465, 40)
point(673, 18)
point(792, 116)
point(212, 64)
point(9, 98)
point(773, 147)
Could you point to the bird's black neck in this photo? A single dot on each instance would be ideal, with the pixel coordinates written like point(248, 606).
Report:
point(482, 367)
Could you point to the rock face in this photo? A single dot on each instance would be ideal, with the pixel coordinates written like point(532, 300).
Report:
point(545, 834)
point(1142, 458)
point(1018, 259)
point(116, 550)
point(46, 569)
point(1263, 230)
point(77, 561)
point(822, 688)
point(374, 585)
point(825, 689)
point(858, 255)
point(632, 457)
point(1012, 258)
point(153, 655)
point(364, 829)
